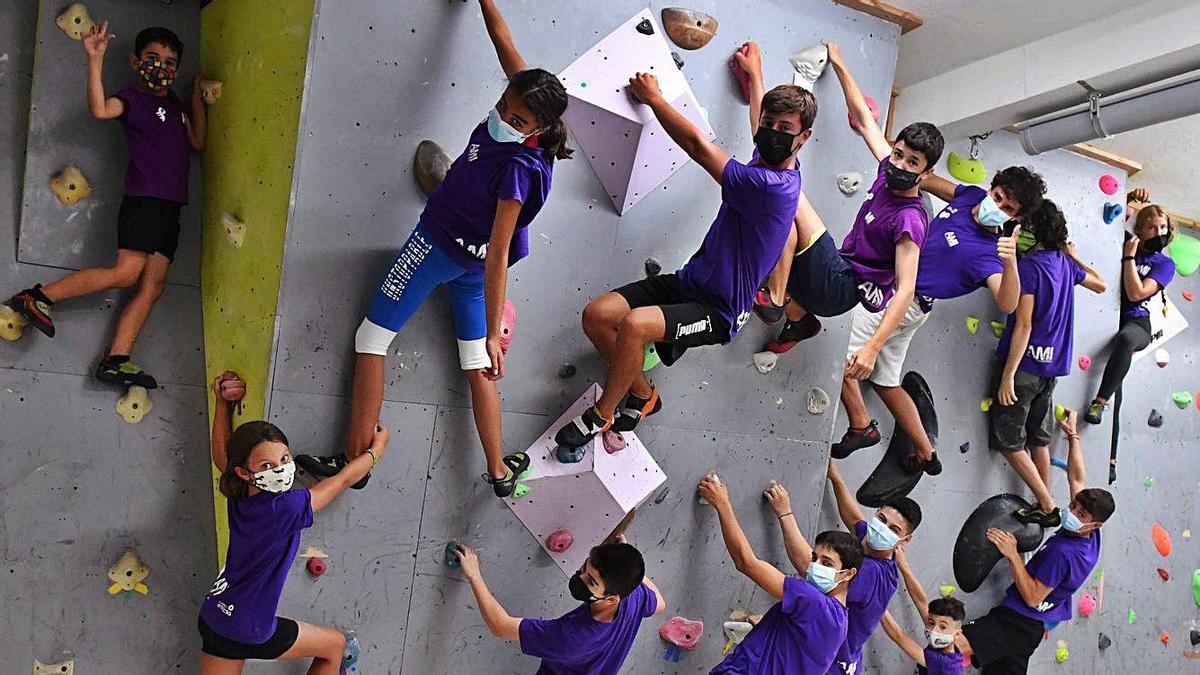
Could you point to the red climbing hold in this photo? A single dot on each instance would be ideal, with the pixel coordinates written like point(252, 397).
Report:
point(560, 540)
point(681, 632)
point(508, 325)
point(1162, 540)
point(1164, 638)
point(316, 567)
point(1187, 295)
point(1166, 576)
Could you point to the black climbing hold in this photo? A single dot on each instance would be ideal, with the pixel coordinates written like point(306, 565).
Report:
point(1104, 643)
point(1194, 636)
point(566, 371)
point(964, 447)
point(645, 27)
point(1156, 419)
point(653, 267)
point(677, 59)
point(663, 495)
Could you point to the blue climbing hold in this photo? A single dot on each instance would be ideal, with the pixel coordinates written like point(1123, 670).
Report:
point(350, 656)
point(1112, 211)
point(570, 455)
point(1059, 463)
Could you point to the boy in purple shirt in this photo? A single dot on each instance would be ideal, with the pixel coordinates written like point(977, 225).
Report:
point(161, 132)
point(800, 633)
point(595, 637)
point(873, 587)
point(1001, 642)
point(943, 619)
point(1034, 351)
point(965, 250)
point(709, 299)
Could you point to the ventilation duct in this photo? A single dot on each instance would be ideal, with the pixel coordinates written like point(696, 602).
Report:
point(1102, 117)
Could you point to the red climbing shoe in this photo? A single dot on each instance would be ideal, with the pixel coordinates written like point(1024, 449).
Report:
point(856, 439)
point(33, 305)
point(794, 332)
point(766, 309)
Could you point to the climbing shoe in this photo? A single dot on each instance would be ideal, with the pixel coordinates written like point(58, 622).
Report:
point(35, 306)
point(913, 465)
point(793, 332)
point(765, 308)
point(633, 409)
point(857, 439)
point(1095, 412)
point(580, 430)
point(516, 467)
point(119, 370)
point(327, 467)
point(1036, 516)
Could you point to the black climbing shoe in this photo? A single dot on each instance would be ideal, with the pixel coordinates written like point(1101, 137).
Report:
point(794, 332)
point(633, 409)
point(124, 372)
point(35, 306)
point(912, 465)
point(1095, 412)
point(516, 467)
point(765, 308)
point(1036, 516)
point(857, 439)
point(327, 467)
point(582, 429)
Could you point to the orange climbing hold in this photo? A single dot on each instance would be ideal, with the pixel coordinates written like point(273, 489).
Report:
point(1162, 540)
point(1164, 638)
point(1187, 295)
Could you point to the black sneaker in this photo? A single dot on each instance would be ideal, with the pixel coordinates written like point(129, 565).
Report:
point(582, 429)
point(327, 467)
point(765, 308)
point(124, 373)
point(857, 439)
point(1095, 412)
point(516, 468)
point(32, 304)
point(912, 465)
point(633, 409)
point(1037, 516)
point(794, 332)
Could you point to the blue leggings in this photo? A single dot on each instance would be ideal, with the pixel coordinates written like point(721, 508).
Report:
point(420, 266)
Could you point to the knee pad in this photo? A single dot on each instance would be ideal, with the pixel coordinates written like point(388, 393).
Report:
point(472, 354)
point(372, 339)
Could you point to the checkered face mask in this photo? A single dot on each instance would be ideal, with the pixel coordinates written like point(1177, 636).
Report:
point(156, 74)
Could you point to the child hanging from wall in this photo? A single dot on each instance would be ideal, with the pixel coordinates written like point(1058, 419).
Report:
point(161, 132)
point(473, 228)
point(237, 620)
point(943, 620)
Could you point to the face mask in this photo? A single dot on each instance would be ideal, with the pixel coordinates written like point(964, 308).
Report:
point(773, 146)
point(900, 180)
point(1070, 522)
point(1156, 244)
point(1025, 241)
point(155, 73)
point(822, 576)
point(879, 537)
point(938, 640)
point(990, 215)
point(501, 131)
point(580, 591)
point(276, 480)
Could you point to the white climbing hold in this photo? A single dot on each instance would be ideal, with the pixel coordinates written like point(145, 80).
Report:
point(849, 182)
point(134, 405)
point(818, 401)
point(235, 230)
point(765, 361)
point(210, 90)
point(809, 64)
point(1162, 357)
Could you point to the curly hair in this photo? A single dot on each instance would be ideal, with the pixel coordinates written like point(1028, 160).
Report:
point(1024, 186)
point(1049, 226)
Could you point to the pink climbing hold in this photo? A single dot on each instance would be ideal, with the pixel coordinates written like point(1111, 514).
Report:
point(681, 632)
point(316, 567)
point(508, 325)
point(1085, 362)
point(1087, 604)
point(1109, 184)
point(614, 442)
point(232, 389)
point(560, 540)
point(1187, 295)
point(874, 112)
point(743, 78)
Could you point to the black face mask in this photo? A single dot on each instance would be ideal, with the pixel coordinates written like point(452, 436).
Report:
point(1156, 244)
point(580, 591)
point(900, 180)
point(773, 146)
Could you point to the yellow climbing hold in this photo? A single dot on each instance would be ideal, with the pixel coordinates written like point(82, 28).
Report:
point(947, 590)
point(986, 404)
point(997, 328)
point(1060, 412)
point(972, 324)
point(1060, 651)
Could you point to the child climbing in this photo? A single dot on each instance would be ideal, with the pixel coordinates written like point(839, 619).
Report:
point(800, 634)
point(710, 297)
point(1145, 270)
point(237, 620)
point(161, 133)
point(1034, 351)
point(473, 228)
point(878, 258)
point(965, 250)
point(595, 637)
point(943, 619)
point(873, 587)
point(1003, 640)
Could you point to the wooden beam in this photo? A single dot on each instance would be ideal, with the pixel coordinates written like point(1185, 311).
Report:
point(901, 17)
point(1129, 166)
point(887, 127)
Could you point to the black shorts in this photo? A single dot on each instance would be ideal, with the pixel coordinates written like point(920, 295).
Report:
point(688, 323)
point(821, 280)
point(1028, 422)
point(1003, 641)
point(149, 225)
point(220, 646)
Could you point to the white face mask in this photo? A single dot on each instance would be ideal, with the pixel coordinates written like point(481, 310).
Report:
point(501, 131)
point(938, 640)
point(990, 214)
point(276, 480)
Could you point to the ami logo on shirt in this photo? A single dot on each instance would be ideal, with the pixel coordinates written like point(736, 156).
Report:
point(1045, 606)
point(472, 152)
point(1044, 354)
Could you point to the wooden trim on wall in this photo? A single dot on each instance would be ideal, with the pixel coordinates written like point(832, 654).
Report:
point(887, 126)
point(1129, 166)
point(901, 17)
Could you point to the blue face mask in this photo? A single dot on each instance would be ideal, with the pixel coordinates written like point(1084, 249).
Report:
point(990, 215)
point(1070, 522)
point(501, 131)
point(879, 537)
point(822, 576)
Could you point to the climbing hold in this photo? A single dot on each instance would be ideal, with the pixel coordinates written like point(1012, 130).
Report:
point(12, 323)
point(1109, 184)
point(1182, 399)
point(128, 575)
point(972, 324)
point(874, 112)
point(560, 540)
point(351, 653)
point(1196, 587)
point(849, 182)
point(1156, 419)
point(70, 186)
point(316, 567)
point(1148, 482)
point(818, 400)
point(75, 21)
point(614, 441)
point(210, 91)
point(567, 370)
point(966, 169)
point(313, 552)
point(232, 389)
point(986, 404)
point(235, 230)
point(451, 555)
point(645, 27)
point(1060, 651)
point(1187, 295)
point(681, 632)
point(809, 63)
point(965, 447)
point(1165, 638)
point(735, 632)
point(61, 668)
point(688, 28)
point(652, 266)
point(430, 165)
point(570, 455)
point(947, 590)
point(677, 59)
point(742, 77)
point(1087, 604)
point(1131, 616)
point(135, 404)
point(1185, 251)
point(1058, 462)
point(1060, 412)
point(1162, 540)
point(1103, 642)
point(1112, 211)
point(1162, 357)
point(997, 327)
point(508, 325)
point(1085, 362)
point(650, 357)
point(1163, 574)
point(1187, 534)
point(716, 479)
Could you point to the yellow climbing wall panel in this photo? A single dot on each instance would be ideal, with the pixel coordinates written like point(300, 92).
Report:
point(260, 57)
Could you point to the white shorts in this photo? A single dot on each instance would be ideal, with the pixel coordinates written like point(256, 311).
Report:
point(889, 365)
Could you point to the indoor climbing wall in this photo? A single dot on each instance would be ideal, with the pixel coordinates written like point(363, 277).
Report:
point(82, 485)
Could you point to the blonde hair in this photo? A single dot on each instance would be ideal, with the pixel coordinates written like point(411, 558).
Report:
point(1148, 213)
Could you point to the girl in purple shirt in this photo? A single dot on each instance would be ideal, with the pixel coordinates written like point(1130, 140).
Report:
point(237, 620)
point(473, 228)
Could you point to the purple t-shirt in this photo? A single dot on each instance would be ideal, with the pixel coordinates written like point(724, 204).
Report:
point(1063, 563)
point(870, 246)
point(866, 600)
point(1050, 277)
point(797, 636)
point(460, 213)
point(959, 255)
point(157, 143)
point(1156, 266)
point(577, 644)
point(264, 534)
point(745, 240)
point(938, 662)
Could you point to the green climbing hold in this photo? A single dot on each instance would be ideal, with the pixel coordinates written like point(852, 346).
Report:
point(1149, 482)
point(1060, 651)
point(1182, 399)
point(650, 357)
point(998, 328)
point(972, 324)
point(986, 404)
point(520, 491)
point(1185, 251)
point(967, 169)
point(1132, 616)
point(946, 590)
point(1196, 587)
point(1060, 412)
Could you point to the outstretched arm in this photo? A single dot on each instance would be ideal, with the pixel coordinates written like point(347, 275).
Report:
point(324, 492)
point(751, 62)
point(939, 187)
point(497, 28)
point(912, 584)
point(846, 503)
point(902, 640)
point(857, 105)
point(860, 364)
point(222, 426)
point(95, 44)
point(798, 549)
point(1076, 471)
point(197, 121)
point(759, 571)
point(685, 134)
point(498, 620)
point(1092, 281)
